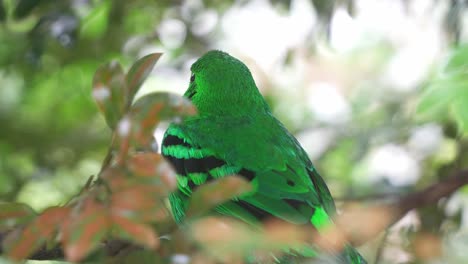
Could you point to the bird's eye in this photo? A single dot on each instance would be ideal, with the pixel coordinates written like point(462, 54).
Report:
point(192, 77)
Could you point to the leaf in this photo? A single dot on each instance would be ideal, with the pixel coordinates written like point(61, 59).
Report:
point(222, 236)
point(116, 178)
point(139, 233)
point(216, 192)
point(145, 164)
point(94, 25)
point(14, 214)
point(460, 112)
point(153, 165)
point(142, 203)
point(24, 7)
point(434, 101)
point(150, 109)
point(2, 11)
point(458, 61)
point(85, 230)
point(42, 229)
point(138, 74)
point(109, 91)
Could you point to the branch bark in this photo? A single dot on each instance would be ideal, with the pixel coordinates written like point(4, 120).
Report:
point(365, 223)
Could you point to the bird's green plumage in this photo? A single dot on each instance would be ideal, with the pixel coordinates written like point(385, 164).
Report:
point(234, 132)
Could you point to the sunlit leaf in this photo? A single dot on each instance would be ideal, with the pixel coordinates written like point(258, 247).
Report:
point(138, 74)
point(34, 235)
point(277, 232)
point(14, 214)
point(435, 101)
point(216, 192)
point(222, 236)
point(95, 24)
point(139, 233)
point(427, 246)
point(149, 110)
point(109, 91)
point(85, 230)
point(460, 112)
point(458, 61)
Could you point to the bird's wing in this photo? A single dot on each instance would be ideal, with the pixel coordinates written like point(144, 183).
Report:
point(261, 150)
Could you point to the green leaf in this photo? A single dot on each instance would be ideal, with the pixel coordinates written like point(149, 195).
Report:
point(215, 193)
point(460, 112)
point(458, 60)
point(109, 91)
point(96, 23)
point(2, 11)
point(14, 214)
point(435, 101)
point(138, 74)
point(24, 7)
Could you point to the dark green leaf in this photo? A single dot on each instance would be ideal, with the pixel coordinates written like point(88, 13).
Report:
point(24, 7)
point(2, 11)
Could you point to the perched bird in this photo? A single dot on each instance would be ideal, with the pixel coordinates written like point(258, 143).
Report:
point(234, 132)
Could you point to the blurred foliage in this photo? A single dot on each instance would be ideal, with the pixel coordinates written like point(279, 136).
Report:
point(447, 96)
point(52, 139)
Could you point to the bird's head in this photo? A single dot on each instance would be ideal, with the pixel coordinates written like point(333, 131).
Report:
point(222, 85)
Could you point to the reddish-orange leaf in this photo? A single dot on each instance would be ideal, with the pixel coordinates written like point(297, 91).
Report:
point(115, 178)
point(216, 192)
point(138, 74)
point(109, 91)
point(167, 175)
point(150, 109)
point(124, 136)
point(139, 233)
point(14, 214)
point(42, 229)
point(23, 245)
point(83, 232)
point(141, 202)
point(145, 164)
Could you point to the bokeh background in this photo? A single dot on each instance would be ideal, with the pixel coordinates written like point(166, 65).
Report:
point(375, 90)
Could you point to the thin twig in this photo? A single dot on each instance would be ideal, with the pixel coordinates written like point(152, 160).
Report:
point(381, 247)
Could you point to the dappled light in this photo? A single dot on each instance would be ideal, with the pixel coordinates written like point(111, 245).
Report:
point(375, 91)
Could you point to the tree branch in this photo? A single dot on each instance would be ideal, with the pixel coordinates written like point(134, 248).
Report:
point(365, 223)
point(358, 225)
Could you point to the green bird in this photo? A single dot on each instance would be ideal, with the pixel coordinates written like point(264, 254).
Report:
point(234, 132)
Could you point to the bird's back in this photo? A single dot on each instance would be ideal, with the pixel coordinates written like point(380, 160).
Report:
point(260, 149)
